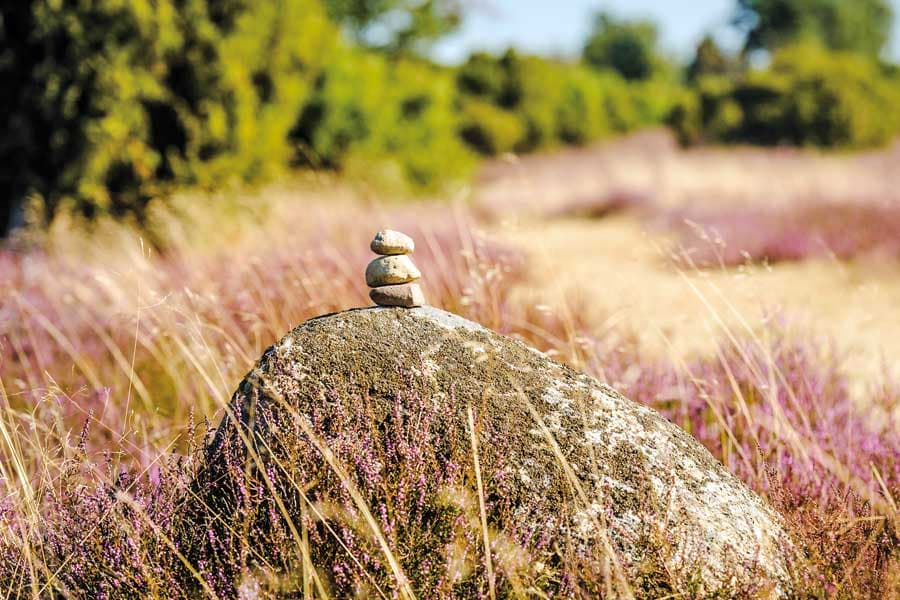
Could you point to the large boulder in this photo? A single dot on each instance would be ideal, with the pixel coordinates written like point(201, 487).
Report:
point(355, 432)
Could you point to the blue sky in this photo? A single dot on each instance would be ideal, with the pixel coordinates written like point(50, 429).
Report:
point(560, 26)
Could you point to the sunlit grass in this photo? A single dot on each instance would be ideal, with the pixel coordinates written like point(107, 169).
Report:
point(120, 350)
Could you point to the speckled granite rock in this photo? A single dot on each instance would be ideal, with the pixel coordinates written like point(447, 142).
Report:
point(647, 488)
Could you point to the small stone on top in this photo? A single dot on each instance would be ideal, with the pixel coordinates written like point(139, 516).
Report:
point(406, 295)
point(388, 241)
point(392, 274)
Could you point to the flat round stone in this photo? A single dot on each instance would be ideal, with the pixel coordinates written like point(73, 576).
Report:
point(406, 295)
point(388, 242)
point(388, 270)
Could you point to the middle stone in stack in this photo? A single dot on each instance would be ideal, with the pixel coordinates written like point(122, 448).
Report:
point(391, 275)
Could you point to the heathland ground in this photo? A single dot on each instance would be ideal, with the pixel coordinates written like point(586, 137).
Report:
point(747, 295)
point(679, 244)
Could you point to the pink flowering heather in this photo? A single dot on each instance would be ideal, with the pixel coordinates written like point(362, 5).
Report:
point(735, 236)
point(115, 361)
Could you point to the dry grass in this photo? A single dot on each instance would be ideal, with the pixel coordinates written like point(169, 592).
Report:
point(758, 233)
point(650, 167)
point(114, 348)
point(618, 269)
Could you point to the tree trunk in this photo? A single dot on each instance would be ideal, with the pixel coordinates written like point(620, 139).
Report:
point(12, 216)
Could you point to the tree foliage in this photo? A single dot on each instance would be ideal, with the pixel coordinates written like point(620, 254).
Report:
point(809, 96)
point(824, 85)
point(112, 103)
point(852, 25)
point(388, 122)
point(107, 103)
point(524, 103)
point(709, 59)
point(395, 25)
point(627, 47)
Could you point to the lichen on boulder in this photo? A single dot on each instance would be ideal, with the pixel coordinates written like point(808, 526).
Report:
point(357, 432)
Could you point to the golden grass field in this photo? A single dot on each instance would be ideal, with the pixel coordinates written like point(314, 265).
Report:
point(619, 266)
point(785, 369)
point(617, 269)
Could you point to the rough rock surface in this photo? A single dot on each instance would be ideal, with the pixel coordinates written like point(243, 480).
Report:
point(388, 241)
point(407, 295)
point(390, 270)
point(643, 477)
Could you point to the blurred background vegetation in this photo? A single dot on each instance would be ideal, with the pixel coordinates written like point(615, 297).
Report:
point(109, 104)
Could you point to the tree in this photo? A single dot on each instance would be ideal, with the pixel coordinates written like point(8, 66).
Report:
point(628, 47)
point(710, 60)
point(498, 80)
point(808, 96)
point(395, 26)
point(854, 25)
point(108, 103)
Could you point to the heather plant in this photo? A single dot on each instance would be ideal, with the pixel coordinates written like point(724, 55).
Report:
point(414, 525)
point(117, 358)
point(806, 230)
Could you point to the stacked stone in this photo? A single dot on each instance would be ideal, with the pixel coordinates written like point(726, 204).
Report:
point(392, 275)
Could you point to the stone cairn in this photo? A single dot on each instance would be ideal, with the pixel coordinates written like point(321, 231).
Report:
point(392, 275)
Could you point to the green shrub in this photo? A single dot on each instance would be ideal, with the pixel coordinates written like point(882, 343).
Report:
point(489, 129)
point(627, 47)
point(579, 115)
point(558, 103)
point(861, 26)
point(808, 96)
point(481, 76)
point(539, 83)
point(341, 111)
point(554, 102)
point(834, 99)
point(419, 126)
point(395, 26)
point(108, 103)
point(708, 112)
point(115, 102)
point(378, 118)
point(649, 102)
